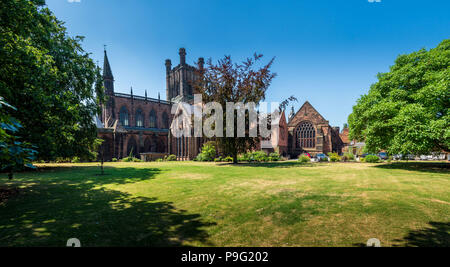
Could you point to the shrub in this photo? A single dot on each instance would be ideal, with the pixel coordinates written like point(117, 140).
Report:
point(202, 157)
point(171, 158)
point(348, 157)
point(242, 157)
point(114, 160)
point(127, 159)
point(219, 159)
point(304, 159)
point(76, 160)
point(159, 160)
point(274, 157)
point(334, 157)
point(259, 156)
point(131, 159)
point(372, 159)
point(62, 160)
point(228, 159)
point(208, 153)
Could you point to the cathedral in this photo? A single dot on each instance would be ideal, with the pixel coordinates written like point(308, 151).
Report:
point(140, 125)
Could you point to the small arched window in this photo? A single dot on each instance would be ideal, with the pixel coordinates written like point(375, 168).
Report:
point(165, 120)
point(153, 123)
point(123, 116)
point(139, 118)
point(306, 135)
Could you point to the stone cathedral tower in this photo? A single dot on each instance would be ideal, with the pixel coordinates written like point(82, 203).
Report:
point(179, 80)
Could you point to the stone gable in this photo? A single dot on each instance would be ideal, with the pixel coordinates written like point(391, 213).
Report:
point(307, 113)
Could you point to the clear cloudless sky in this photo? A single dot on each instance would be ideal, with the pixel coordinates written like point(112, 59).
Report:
point(327, 51)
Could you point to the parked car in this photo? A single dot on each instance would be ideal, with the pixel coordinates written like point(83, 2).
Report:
point(322, 157)
point(383, 155)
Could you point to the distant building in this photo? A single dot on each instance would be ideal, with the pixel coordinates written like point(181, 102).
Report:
point(310, 132)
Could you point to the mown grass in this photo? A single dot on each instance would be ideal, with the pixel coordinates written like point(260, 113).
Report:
point(207, 204)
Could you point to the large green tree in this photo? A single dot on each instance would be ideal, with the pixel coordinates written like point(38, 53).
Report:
point(406, 111)
point(49, 78)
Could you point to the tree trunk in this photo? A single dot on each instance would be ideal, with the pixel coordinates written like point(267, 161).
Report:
point(11, 175)
point(103, 159)
point(235, 155)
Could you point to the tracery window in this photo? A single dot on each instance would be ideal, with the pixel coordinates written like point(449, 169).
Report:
point(165, 120)
point(153, 123)
point(139, 118)
point(123, 116)
point(306, 135)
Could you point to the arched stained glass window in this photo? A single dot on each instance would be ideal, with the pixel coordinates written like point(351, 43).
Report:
point(165, 121)
point(139, 118)
point(153, 123)
point(306, 135)
point(123, 116)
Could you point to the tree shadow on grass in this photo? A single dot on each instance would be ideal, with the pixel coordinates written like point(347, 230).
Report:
point(437, 235)
point(73, 204)
point(286, 164)
point(88, 174)
point(431, 167)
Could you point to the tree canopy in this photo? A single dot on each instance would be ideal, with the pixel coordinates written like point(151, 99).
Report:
point(406, 111)
point(49, 78)
point(236, 83)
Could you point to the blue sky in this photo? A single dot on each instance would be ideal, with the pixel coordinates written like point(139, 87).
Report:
point(327, 51)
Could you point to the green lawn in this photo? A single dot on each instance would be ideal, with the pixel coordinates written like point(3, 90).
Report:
point(202, 204)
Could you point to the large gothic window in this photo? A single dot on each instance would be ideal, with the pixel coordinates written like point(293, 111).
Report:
point(306, 135)
point(153, 123)
point(139, 118)
point(165, 120)
point(124, 119)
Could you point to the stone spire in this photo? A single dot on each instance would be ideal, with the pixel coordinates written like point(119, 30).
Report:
point(107, 73)
point(108, 77)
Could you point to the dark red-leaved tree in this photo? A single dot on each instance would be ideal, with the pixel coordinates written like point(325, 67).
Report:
point(225, 82)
